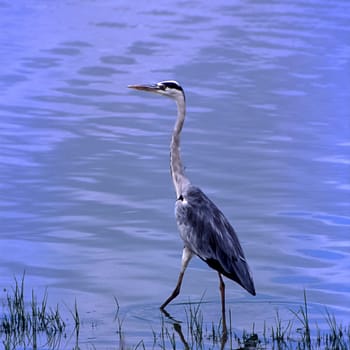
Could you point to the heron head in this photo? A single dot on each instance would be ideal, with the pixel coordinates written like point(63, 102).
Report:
point(169, 88)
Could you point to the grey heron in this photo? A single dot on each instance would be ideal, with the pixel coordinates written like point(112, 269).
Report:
point(204, 229)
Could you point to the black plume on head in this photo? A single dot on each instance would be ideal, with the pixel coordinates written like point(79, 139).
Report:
point(171, 84)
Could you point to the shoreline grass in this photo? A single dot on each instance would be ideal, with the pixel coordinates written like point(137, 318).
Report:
point(27, 323)
point(24, 324)
point(298, 332)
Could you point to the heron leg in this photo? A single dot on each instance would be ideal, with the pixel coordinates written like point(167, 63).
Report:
point(186, 257)
point(223, 310)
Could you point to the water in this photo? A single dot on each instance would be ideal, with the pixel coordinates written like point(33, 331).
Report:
point(85, 193)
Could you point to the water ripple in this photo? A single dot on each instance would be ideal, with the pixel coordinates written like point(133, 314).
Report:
point(85, 193)
point(327, 219)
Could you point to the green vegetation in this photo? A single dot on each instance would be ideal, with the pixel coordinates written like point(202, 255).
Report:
point(29, 324)
point(24, 324)
point(296, 333)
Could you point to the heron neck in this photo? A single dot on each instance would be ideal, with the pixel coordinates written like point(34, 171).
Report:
point(177, 171)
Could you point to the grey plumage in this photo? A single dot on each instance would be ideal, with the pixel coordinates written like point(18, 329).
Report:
point(203, 228)
point(208, 234)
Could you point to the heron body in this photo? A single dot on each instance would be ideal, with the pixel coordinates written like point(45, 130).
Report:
point(208, 234)
point(203, 228)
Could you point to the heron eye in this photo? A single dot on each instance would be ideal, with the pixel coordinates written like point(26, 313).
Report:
point(162, 87)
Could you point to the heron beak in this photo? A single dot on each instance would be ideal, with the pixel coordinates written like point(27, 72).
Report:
point(150, 88)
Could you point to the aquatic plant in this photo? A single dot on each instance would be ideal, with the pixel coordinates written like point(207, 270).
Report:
point(295, 333)
point(29, 323)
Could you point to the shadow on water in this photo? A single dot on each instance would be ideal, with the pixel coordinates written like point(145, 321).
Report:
point(194, 327)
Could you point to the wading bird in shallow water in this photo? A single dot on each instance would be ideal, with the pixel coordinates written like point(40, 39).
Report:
point(203, 228)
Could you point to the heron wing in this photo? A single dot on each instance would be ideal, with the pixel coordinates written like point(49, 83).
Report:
point(207, 232)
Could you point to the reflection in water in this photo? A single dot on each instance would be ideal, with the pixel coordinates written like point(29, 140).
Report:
point(195, 330)
point(86, 204)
